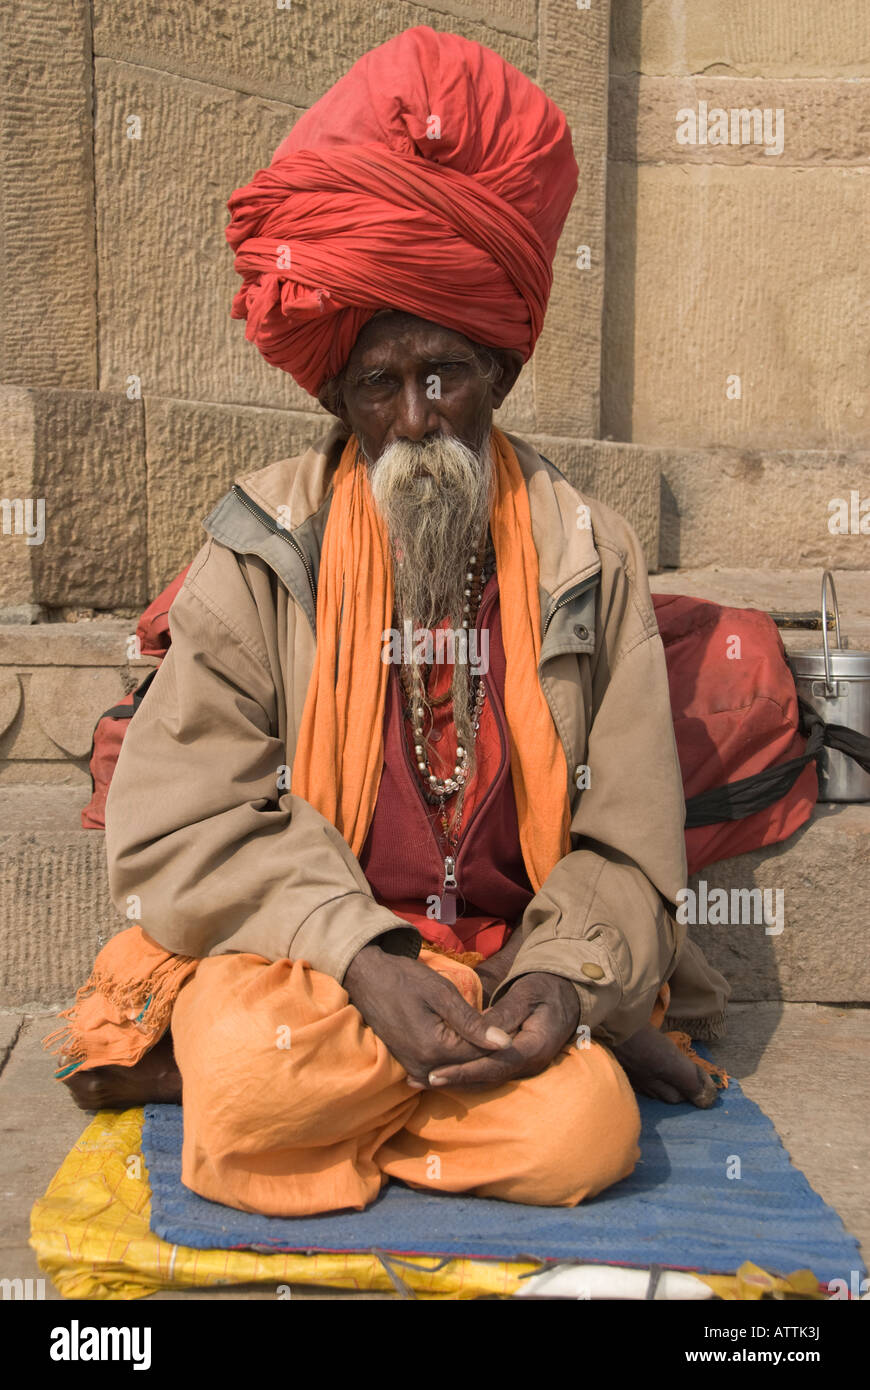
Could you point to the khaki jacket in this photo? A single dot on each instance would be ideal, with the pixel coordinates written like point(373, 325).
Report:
point(221, 859)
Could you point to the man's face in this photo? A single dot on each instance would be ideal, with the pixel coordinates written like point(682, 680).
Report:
point(407, 379)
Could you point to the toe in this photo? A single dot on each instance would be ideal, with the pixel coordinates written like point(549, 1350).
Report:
point(706, 1096)
point(661, 1090)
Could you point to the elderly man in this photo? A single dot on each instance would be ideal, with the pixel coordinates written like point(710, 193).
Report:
point(404, 906)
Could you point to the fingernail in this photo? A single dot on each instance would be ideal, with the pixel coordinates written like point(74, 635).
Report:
point(416, 1085)
point(436, 1080)
point(497, 1037)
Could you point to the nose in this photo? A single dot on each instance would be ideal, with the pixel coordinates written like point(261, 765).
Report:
point(416, 413)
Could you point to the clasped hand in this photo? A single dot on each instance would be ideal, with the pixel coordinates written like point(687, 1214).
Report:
point(441, 1040)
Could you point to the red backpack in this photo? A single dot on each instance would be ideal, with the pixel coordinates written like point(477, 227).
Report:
point(748, 769)
point(749, 776)
point(153, 637)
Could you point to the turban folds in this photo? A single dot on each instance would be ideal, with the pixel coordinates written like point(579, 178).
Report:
point(432, 178)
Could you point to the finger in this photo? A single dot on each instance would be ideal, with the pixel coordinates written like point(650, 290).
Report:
point(660, 1090)
point(511, 1011)
point(485, 1072)
point(471, 1026)
point(522, 1058)
point(415, 1085)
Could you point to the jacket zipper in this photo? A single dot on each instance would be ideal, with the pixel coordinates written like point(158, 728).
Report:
point(450, 885)
point(570, 596)
point(273, 526)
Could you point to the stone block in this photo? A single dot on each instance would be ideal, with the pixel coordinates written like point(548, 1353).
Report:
point(821, 952)
point(56, 679)
point(194, 454)
point(76, 458)
point(780, 38)
point(55, 909)
point(760, 509)
point(736, 307)
point(48, 273)
point(797, 123)
point(166, 270)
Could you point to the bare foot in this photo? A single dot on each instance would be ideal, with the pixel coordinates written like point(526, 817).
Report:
point(154, 1078)
point(656, 1067)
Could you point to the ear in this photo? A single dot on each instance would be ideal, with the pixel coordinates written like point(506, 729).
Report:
point(331, 398)
point(510, 365)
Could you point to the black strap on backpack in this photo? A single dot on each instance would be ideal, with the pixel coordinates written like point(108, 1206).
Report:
point(127, 711)
point(740, 799)
point(120, 712)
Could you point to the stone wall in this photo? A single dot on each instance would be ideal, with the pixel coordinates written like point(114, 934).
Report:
point(737, 272)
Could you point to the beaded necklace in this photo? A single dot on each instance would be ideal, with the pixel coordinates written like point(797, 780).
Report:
point(438, 790)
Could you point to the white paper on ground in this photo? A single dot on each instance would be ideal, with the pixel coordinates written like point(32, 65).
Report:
point(610, 1281)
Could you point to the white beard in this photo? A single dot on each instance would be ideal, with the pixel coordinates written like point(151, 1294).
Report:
point(435, 521)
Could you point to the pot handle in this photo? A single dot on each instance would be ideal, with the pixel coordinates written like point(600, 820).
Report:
point(828, 579)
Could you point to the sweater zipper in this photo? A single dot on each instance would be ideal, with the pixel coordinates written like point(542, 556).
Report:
point(450, 885)
point(273, 526)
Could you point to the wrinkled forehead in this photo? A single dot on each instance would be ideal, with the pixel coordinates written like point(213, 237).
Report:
point(393, 334)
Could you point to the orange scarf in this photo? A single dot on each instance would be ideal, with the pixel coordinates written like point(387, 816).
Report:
point(339, 751)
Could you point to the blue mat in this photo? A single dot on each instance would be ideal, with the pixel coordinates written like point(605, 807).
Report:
point(679, 1208)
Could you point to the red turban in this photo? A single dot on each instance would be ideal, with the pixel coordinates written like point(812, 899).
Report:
point(432, 178)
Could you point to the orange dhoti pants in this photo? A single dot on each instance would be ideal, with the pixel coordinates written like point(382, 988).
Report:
point(292, 1105)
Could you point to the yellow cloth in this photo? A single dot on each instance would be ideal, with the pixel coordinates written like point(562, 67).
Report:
point(339, 752)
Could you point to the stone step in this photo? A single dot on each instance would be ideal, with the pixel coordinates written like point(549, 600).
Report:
point(55, 910)
point(56, 679)
point(813, 947)
point(789, 591)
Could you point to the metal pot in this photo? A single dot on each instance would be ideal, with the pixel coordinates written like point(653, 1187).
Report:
point(836, 682)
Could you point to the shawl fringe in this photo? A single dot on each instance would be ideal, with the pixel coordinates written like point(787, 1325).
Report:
point(132, 998)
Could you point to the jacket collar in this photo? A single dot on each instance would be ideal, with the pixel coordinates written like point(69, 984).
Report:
point(279, 512)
